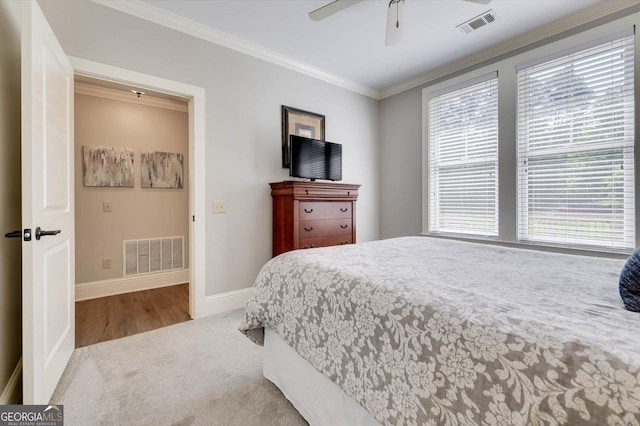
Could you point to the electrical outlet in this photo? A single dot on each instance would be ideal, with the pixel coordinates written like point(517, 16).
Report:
point(219, 206)
point(107, 206)
point(106, 263)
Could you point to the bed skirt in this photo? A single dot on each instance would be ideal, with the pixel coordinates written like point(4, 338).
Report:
point(320, 401)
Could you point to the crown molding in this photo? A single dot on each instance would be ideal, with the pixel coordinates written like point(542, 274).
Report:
point(153, 14)
point(583, 17)
point(120, 95)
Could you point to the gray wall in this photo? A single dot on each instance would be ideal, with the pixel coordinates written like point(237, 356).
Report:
point(401, 166)
point(10, 211)
point(243, 99)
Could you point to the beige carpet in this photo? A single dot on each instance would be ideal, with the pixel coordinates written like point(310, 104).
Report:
point(201, 372)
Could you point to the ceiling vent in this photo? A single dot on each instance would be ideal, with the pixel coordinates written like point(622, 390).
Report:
point(478, 22)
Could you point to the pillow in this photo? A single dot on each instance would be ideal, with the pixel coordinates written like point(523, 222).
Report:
point(630, 283)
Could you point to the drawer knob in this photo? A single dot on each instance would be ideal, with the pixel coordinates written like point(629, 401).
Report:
point(344, 210)
point(308, 210)
point(309, 229)
point(344, 226)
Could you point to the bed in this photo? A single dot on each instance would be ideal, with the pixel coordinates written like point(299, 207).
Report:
point(428, 331)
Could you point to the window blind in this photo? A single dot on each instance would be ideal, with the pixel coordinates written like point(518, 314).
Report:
point(463, 159)
point(575, 149)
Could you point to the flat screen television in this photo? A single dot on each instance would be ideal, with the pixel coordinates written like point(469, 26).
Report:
point(314, 159)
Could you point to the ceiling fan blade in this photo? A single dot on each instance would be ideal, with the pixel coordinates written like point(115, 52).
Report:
point(395, 22)
point(480, 1)
point(331, 8)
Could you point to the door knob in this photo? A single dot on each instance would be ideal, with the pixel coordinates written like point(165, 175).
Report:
point(19, 234)
point(41, 233)
point(13, 234)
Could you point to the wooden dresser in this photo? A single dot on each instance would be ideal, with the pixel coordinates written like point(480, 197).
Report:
point(313, 214)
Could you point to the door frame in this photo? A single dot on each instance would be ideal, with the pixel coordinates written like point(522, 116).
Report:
point(197, 144)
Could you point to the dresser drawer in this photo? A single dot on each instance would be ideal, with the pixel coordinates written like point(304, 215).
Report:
point(313, 214)
point(310, 210)
point(325, 227)
point(338, 240)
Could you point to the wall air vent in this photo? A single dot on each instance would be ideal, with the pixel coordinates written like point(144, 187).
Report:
point(478, 22)
point(152, 256)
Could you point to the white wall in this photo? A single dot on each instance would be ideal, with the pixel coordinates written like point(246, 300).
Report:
point(10, 202)
point(243, 99)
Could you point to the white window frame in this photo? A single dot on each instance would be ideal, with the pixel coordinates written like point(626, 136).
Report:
point(433, 217)
point(525, 154)
point(507, 158)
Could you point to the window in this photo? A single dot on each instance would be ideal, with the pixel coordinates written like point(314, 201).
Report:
point(463, 158)
point(575, 148)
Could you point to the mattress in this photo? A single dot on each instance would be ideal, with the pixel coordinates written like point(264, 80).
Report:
point(420, 330)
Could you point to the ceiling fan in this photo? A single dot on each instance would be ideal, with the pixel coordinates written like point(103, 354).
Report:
point(395, 13)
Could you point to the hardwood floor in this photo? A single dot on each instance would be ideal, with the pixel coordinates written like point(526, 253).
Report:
point(108, 318)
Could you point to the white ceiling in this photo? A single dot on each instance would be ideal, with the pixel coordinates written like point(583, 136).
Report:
point(351, 43)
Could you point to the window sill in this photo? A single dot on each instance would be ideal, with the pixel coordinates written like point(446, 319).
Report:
point(529, 246)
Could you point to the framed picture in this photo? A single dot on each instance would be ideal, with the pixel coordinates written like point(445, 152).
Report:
point(107, 166)
point(301, 123)
point(161, 170)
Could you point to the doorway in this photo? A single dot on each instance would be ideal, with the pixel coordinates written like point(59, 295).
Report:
point(195, 96)
point(48, 196)
point(131, 210)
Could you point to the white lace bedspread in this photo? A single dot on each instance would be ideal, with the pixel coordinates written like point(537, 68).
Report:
point(429, 331)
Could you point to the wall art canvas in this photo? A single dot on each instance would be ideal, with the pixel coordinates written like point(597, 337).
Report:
point(107, 166)
point(161, 170)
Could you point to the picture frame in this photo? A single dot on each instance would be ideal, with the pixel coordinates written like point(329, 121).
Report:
point(301, 123)
point(161, 170)
point(107, 166)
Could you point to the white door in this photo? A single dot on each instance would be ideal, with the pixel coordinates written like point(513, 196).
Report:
point(48, 276)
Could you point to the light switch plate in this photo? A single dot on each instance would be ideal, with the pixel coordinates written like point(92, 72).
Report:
point(106, 263)
point(219, 206)
point(107, 206)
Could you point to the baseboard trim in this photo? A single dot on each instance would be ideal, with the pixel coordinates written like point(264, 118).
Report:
point(224, 302)
point(95, 289)
point(12, 391)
